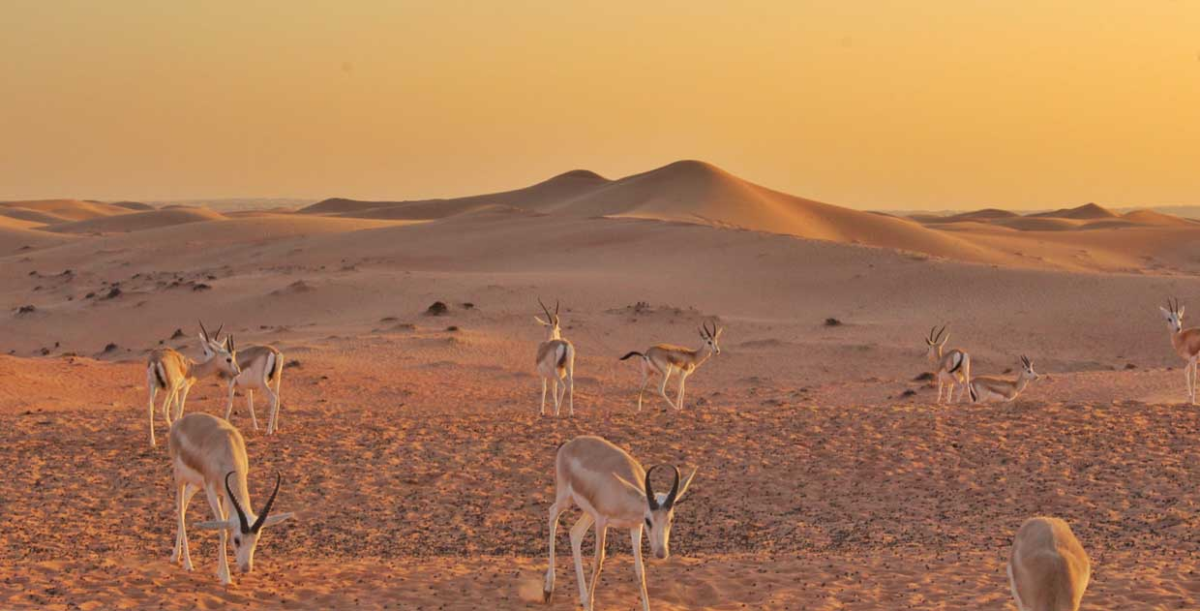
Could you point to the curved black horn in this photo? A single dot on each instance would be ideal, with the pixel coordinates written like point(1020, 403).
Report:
point(230, 344)
point(217, 335)
point(549, 316)
point(653, 502)
point(670, 502)
point(233, 499)
point(939, 334)
point(556, 304)
point(266, 510)
point(204, 331)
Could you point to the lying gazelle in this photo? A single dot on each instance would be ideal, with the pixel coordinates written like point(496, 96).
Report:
point(556, 361)
point(666, 359)
point(168, 370)
point(1186, 343)
point(991, 388)
point(261, 366)
point(206, 451)
point(601, 479)
point(953, 367)
point(1048, 569)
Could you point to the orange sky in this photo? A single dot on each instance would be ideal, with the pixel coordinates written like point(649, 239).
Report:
point(871, 104)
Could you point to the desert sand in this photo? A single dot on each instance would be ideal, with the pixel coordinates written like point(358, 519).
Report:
point(411, 444)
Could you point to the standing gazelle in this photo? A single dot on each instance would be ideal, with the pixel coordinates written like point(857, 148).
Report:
point(666, 359)
point(168, 370)
point(991, 388)
point(1186, 343)
point(556, 361)
point(1048, 569)
point(953, 367)
point(603, 480)
point(206, 451)
point(261, 366)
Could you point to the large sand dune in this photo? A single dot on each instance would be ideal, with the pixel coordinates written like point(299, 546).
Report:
point(138, 221)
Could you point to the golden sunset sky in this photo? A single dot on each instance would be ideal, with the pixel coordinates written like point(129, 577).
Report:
point(870, 104)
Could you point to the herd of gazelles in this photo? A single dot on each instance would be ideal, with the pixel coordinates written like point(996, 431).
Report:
point(1047, 568)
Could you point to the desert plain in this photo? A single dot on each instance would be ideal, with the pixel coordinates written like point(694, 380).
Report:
point(411, 443)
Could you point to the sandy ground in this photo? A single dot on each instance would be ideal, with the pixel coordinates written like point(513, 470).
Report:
point(412, 446)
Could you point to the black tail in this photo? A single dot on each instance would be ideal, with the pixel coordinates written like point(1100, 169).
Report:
point(158, 376)
point(631, 354)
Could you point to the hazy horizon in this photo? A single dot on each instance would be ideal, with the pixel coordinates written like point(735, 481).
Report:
point(936, 106)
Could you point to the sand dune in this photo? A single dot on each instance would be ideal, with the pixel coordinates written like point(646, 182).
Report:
point(19, 236)
point(1084, 212)
point(64, 210)
point(138, 221)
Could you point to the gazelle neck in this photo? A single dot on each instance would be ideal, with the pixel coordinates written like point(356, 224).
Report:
point(703, 353)
point(202, 369)
point(1023, 380)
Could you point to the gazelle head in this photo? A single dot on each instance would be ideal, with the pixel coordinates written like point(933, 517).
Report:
point(246, 531)
point(660, 512)
point(1027, 369)
point(936, 342)
point(712, 337)
point(224, 352)
point(1174, 314)
point(551, 322)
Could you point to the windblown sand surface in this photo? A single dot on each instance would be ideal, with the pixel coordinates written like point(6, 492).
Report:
point(828, 479)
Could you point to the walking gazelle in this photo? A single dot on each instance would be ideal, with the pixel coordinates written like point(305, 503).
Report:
point(989, 388)
point(1186, 343)
point(953, 367)
point(666, 359)
point(1048, 569)
point(206, 452)
point(612, 489)
point(261, 367)
point(170, 371)
point(556, 362)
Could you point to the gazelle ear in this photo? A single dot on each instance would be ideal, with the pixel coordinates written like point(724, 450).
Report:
point(1165, 311)
point(541, 322)
point(277, 518)
point(211, 525)
point(944, 340)
point(630, 485)
point(683, 488)
point(1181, 309)
point(720, 330)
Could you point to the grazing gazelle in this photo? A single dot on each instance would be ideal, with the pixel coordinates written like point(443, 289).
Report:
point(169, 370)
point(953, 367)
point(261, 366)
point(556, 361)
point(666, 359)
point(991, 388)
point(206, 452)
point(1186, 343)
point(612, 489)
point(1048, 569)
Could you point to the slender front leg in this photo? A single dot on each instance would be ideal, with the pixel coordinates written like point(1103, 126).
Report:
point(601, 534)
point(214, 501)
point(153, 391)
point(169, 401)
point(250, 404)
point(662, 390)
point(182, 401)
point(545, 382)
point(555, 511)
point(645, 383)
point(639, 570)
point(939, 398)
point(229, 402)
point(682, 381)
point(577, 533)
point(186, 492)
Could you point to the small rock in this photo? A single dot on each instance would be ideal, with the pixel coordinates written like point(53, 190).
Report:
point(437, 308)
point(832, 322)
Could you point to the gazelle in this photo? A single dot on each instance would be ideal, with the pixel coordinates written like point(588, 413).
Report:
point(991, 388)
point(1186, 343)
point(206, 452)
point(168, 370)
point(612, 489)
point(1048, 569)
point(953, 367)
point(261, 366)
point(556, 361)
point(666, 359)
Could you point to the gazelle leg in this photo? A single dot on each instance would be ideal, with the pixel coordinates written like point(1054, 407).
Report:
point(545, 383)
point(229, 403)
point(601, 535)
point(554, 393)
point(273, 421)
point(639, 570)
point(168, 401)
point(645, 382)
point(153, 391)
point(939, 398)
point(679, 398)
point(562, 393)
point(662, 390)
point(577, 533)
point(571, 386)
point(182, 401)
point(186, 492)
point(250, 404)
point(560, 505)
point(214, 501)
